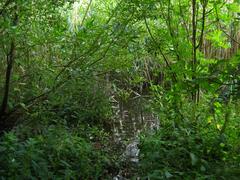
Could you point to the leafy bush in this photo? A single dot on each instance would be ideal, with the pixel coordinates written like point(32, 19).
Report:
point(181, 152)
point(191, 142)
point(81, 102)
point(57, 154)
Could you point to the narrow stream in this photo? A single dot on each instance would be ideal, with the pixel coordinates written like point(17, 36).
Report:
point(131, 118)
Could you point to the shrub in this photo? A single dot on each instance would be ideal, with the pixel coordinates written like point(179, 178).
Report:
point(57, 154)
point(192, 142)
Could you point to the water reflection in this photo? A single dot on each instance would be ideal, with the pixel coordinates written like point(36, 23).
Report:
point(132, 117)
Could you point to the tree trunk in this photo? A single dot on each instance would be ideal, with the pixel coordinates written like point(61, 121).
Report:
point(10, 62)
point(194, 50)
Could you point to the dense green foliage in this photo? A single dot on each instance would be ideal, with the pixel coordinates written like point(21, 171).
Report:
point(192, 148)
point(57, 154)
point(62, 63)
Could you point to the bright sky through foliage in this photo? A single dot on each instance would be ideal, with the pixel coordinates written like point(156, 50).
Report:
point(77, 13)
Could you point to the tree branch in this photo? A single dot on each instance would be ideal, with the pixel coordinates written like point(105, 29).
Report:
point(161, 52)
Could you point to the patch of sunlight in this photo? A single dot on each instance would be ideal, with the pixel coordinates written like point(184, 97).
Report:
point(77, 14)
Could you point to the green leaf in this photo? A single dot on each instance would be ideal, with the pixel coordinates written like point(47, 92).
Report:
point(23, 106)
point(194, 159)
point(202, 168)
point(168, 174)
point(234, 7)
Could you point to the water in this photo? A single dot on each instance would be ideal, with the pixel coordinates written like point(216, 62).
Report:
point(130, 118)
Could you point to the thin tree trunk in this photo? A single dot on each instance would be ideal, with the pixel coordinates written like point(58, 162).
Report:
point(10, 62)
point(194, 49)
